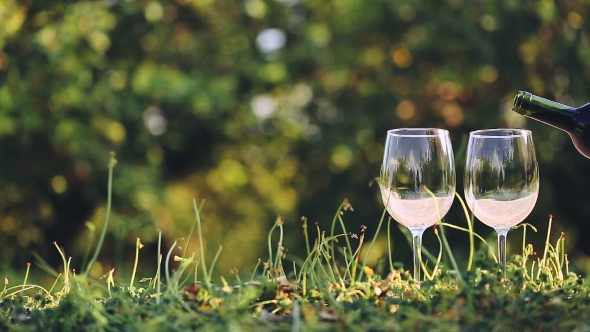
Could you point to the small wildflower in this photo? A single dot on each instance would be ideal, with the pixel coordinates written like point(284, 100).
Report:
point(363, 228)
point(226, 287)
point(378, 291)
point(5, 281)
point(393, 275)
point(353, 235)
point(346, 206)
point(280, 221)
point(234, 270)
point(112, 161)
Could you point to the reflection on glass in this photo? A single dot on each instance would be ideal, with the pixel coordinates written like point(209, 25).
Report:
point(417, 180)
point(501, 179)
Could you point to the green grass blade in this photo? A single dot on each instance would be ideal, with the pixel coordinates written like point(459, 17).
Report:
point(372, 243)
point(112, 163)
point(92, 230)
point(167, 266)
point(191, 232)
point(201, 246)
point(469, 219)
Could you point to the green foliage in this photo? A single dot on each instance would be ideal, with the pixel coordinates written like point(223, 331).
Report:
point(197, 109)
point(330, 289)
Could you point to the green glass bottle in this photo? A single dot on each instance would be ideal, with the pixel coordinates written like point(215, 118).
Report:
point(573, 120)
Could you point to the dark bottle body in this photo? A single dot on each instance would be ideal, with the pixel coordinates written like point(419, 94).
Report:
point(573, 120)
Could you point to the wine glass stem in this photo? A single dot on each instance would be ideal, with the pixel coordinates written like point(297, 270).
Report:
point(417, 249)
point(502, 234)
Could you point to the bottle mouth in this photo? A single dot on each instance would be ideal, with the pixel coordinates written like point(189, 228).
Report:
point(521, 102)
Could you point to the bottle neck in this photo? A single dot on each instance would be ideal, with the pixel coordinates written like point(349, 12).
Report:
point(526, 103)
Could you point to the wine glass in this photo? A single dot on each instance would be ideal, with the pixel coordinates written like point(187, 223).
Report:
point(501, 180)
point(417, 180)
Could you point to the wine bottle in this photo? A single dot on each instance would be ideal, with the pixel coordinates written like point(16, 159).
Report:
point(573, 120)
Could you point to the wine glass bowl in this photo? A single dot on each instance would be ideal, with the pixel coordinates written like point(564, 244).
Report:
point(501, 179)
point(417, 180)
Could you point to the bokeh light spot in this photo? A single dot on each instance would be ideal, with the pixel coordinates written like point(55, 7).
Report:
point(575, 20)
point(155, 155)
point(255, 8)
point(341, 158)
point(154, 121)
point(271, 40)
point(373, 57)
point(263, 107)
point(406, 110)
point(154, 11)
point(23, 237)
point(96, 271)
point(453, 114)
point(448, 90)
point(233, 172)
point(528, 52)
point(12, 21)
point(406, 12)
point(285, 199)
point(145, 199)
point(99, 41)
point(488, 22)
point(301, 95)
point(375, 250)
point(46, 210)
point(59, 184)
point(364, 137)
point(116, 132)
point(562, 78)
point(488, 74)
point(9, 225)
point(319, 34)
point(546, 10)
point(273, 72)
point(401, 56)
point(117, 79)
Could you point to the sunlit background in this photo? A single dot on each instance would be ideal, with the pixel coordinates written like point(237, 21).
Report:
point(262, 108)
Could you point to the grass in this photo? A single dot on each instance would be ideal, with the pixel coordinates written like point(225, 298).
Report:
point(331, 288)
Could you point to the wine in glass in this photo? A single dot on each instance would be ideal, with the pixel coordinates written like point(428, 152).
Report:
point(501, 180)
point(417, 180)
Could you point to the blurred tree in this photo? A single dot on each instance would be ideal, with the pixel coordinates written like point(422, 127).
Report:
point(261, 107)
